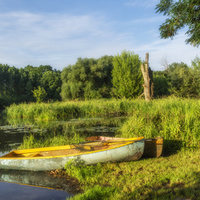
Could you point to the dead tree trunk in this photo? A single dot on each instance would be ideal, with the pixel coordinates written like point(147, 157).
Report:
point(148, 79)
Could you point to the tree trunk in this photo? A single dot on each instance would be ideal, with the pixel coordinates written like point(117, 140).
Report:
point(148, 79)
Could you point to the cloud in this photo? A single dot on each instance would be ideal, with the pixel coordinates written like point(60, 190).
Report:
point(59, 39)
point(27, 38)
point(39, 30)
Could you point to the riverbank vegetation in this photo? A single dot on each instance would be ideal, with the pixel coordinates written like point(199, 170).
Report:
point(175, 119)
point(173, 177)
point(175, 174)
point(70, 109)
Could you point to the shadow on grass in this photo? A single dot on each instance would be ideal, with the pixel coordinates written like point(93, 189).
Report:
point(190, 190)
point(171, 147)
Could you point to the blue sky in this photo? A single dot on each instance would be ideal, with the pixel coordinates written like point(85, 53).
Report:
point(57, 32)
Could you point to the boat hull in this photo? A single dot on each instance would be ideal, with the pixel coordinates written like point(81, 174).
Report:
point(153, 146)
point(129, 152)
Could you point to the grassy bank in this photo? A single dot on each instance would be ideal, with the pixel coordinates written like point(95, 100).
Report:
point(159, 178)
point(71, 109)
point(176, 120)
point(171, 177)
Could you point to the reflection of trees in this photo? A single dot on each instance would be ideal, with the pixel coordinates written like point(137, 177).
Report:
point(8, 140)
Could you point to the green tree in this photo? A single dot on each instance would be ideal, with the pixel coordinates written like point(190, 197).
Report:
point(181, 80)
point(102, 76)
point(75, 78)
point(17, 84)
point(126, 75)
point(180, 14)
point(4, 80)
point(43, 76)
point(9, 82)
point(51, 82)
point(196, 63)
point(160, 86)
point(32, 76)
point(195, 70)
point(88, 78)
point(39, 94)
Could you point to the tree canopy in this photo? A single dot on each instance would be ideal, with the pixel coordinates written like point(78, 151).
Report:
point(17, 85)
point(88, 78)
point(179, 80)
point(180, 14)
point(126, 75)
point(39, 94)
point(119, 76)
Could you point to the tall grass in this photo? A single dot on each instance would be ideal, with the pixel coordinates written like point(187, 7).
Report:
point(67, 132)
point(175, 176)
point(58, 110)
point(33, 142)
point(176, 120)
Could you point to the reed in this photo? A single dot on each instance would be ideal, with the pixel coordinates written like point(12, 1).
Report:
point(176, 120)
point(32, 141)
point(59, 110)
point(43, 134)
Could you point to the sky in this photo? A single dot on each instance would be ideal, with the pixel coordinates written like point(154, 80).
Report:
point(57, 32)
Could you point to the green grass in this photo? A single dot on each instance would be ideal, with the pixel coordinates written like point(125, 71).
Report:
point(66, 132)
point(71, 109)
point(33, 142)
point(176, 120)
point(159, 178)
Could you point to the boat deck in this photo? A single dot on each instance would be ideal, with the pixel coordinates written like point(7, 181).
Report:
point(59, 151)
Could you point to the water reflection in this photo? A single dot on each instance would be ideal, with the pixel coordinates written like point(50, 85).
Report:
point(29, 134)
point(11, 136)
point(42, 179)
point(71, 131)
point(23, 192)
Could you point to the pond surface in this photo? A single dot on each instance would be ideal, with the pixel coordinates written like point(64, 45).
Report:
point(40, 185)
point(12, 191)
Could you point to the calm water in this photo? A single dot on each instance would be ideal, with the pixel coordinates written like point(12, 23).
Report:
point(22, 185)
point(39, 185)
point(11, 191)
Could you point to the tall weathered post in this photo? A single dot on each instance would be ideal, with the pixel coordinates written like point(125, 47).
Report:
point(148, 79)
